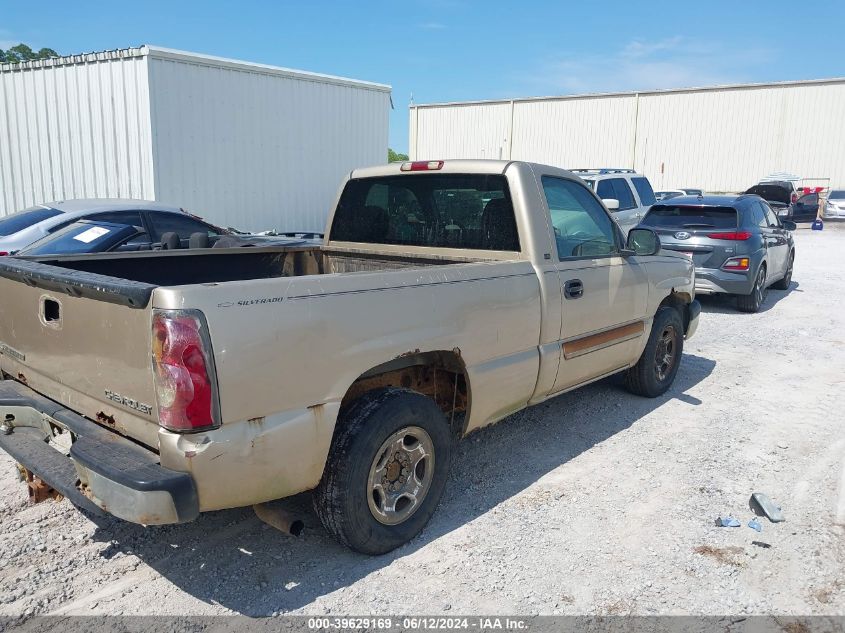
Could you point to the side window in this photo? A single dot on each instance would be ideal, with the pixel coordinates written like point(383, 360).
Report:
point(581, 225)
point(771, 218)
point(759, 215)
point(130, 218)
point(810, 199)
point(644, 190)
point(618, 189)
point(178, 223)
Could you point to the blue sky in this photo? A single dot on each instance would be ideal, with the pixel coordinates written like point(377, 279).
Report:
point(448, 50)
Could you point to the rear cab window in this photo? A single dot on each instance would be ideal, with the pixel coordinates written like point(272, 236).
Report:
point(181, 224)
point(467, 211)
point(24, 219)
point(683, 217)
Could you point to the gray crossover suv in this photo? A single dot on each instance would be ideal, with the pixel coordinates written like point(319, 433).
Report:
point(738, 244)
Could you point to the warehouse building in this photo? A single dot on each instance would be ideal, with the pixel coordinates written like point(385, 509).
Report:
point(721, 139)
point(246, 145)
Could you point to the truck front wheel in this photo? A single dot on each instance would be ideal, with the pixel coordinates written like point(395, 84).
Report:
point(386, 470)
point(655, 371)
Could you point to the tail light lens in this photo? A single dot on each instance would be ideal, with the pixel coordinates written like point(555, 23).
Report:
point(183, 366)
point(2, 253)
point(736, 263)
point(731, 235)
point(794, 197)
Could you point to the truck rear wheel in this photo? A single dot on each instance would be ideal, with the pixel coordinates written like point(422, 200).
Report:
point(655, 372)
point(386, 470)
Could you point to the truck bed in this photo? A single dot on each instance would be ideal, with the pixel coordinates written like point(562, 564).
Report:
point(178, 268)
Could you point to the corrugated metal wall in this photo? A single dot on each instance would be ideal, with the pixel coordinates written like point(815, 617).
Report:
point(259, 150)
point(75, 130)
point(469, 131)
point(722, 139)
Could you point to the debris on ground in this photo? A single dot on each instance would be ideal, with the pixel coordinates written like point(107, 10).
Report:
point(727, 522)
point(761, 505)
point(754, 524)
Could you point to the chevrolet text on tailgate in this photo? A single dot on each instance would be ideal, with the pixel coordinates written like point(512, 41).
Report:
point(446, 296)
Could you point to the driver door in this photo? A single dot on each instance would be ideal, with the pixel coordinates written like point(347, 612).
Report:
point(604, 295)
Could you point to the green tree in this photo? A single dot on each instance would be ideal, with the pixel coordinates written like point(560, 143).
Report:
point(393, 157)
point(23, 53)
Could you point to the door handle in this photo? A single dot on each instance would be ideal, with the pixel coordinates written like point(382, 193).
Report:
point(573, 289)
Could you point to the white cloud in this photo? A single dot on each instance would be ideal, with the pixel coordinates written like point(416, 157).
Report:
point(673, 62)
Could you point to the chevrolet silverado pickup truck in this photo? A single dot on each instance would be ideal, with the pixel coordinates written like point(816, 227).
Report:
point(446, 296)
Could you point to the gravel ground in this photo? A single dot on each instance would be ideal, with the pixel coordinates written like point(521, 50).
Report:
point(596, 502)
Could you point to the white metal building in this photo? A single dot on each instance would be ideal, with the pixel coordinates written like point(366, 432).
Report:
point(246, 145)
point(724, 138)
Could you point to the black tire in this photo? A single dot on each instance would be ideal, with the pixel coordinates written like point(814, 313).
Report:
point(783, 283)
point(753, 301)
point(651, 376)
point(342, 499)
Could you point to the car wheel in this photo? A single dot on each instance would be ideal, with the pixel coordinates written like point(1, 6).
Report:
point(386, 470)
point(783, 284)
point(656, 369)
point(757, 297)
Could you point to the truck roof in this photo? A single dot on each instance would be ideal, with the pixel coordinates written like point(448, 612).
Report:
point(456, 166)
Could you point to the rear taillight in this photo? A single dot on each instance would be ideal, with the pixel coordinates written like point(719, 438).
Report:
point(422, 165)
point(730, 235)
point(736, 263)
point(183, 367)
point(2, 253)
point(794, 197)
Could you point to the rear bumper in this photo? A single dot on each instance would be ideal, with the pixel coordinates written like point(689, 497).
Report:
point(710, 281)
point(104, 473)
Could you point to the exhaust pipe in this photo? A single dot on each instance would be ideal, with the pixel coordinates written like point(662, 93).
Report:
point(279, 519)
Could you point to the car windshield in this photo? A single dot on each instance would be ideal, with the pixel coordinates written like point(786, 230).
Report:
point(81, 237)
point(837, 195)
point(682, 217)
point(25, 219)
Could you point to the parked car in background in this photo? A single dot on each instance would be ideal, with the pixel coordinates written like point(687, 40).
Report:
point(94, 236)
point(693, 192)
point(805, 209)
point(780, 194)
point(835, 207)
point(667, 194)
point(738, 244)
point(627, 194)
point(25, 227)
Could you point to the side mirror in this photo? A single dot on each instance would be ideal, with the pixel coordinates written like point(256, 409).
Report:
point(643, 242)
point(788, 225)
point(612, 204)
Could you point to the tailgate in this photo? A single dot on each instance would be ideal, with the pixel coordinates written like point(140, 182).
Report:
point(83, 340)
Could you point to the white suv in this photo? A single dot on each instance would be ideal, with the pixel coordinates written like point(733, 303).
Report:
point(627, 194)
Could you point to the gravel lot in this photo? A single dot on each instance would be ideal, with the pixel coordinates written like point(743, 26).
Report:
point(597, 502)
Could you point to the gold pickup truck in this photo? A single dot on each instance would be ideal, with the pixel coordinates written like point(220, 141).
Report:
point(446, 296)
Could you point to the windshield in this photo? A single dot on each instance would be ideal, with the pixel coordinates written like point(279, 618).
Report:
point(25, 219)
point(680, 217)
point(81, 237)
